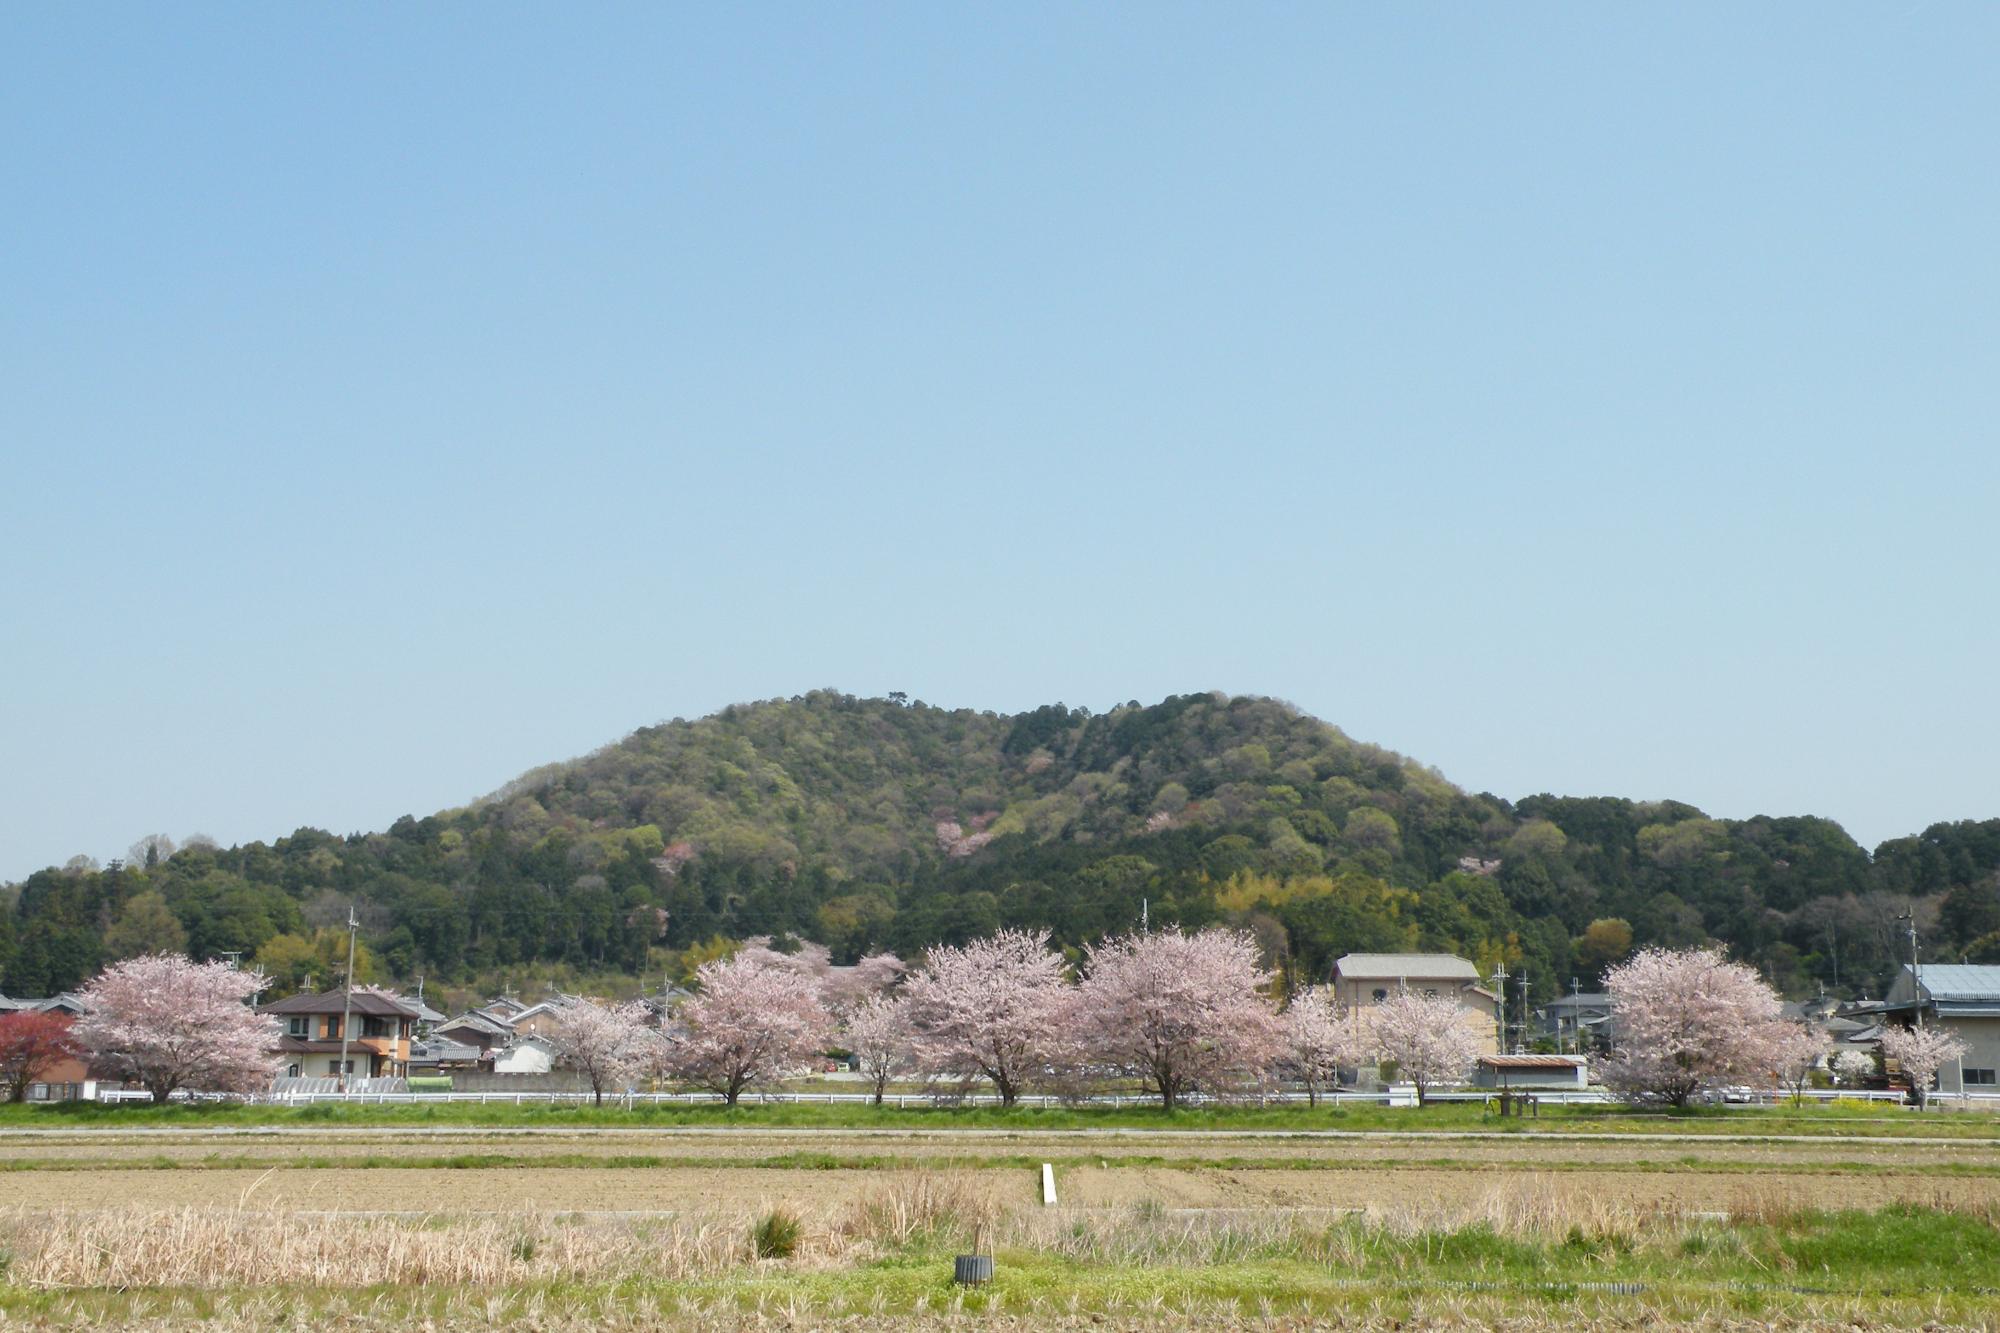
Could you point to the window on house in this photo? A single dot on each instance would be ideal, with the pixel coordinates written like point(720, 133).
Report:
point(292, 1071)
point(1379, 995)
point(1431, 992)
point(1979, 1076)
point(298, 1025)
point(333, 1027)
point(333, 1067)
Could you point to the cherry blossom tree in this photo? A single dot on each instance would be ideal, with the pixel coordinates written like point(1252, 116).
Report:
point(874, 974)
point(1687, 1020)
point(32, 1044)
point(1433, 1039)
point(749, 1021)
point(841, 988)
point(991, 1009)
point(1851, 1068)
point(1919, 1053)
point(609, 1046)
point(1319, 1039)
point(1182, 1012)
point(169, 1023)
point(1798, 1054)
point(810, 959)
point(877, 1034)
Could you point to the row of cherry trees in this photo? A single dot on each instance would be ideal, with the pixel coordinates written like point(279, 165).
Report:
point(1182, 1014)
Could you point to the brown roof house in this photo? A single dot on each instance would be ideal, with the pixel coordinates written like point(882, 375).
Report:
point(378, 1032)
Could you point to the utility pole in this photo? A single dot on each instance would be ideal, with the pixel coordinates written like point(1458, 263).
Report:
point(347, 1001)
point(1521, 1031)
point(1145, 917)
point(1575, 1016)
point(1500, 980)
point(1909, 919)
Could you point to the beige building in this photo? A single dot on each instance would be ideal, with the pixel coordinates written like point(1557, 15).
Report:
point(1964, 999)
point(377, 1041)
point(1364, 979)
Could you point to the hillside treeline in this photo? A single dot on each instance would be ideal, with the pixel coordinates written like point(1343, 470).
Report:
point(873, 824)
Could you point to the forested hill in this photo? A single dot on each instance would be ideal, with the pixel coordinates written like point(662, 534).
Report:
point(873, 823)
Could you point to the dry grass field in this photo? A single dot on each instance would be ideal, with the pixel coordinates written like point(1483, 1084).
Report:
point(496, 1226)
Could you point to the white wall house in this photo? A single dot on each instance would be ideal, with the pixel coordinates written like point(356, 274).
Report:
point(530, 1055)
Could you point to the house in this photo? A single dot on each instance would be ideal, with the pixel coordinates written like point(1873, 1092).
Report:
point(529, 1055)
point(1545, 1072)
point(65, 1080)
point(439, 1057)
point(377, 1036)
point(505, 1009)
point(475, 1029)
point(539, 1020)
point(427, 1017)
point(1962, 998)
point(1364, 979)
point(1577, 1021)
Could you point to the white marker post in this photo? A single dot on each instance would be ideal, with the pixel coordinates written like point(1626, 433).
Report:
point(1048, 1185)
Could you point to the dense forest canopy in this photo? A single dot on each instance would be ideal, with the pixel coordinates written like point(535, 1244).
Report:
point(882, 823)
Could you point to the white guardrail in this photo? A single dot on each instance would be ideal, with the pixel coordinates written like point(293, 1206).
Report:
point(1544, 1096)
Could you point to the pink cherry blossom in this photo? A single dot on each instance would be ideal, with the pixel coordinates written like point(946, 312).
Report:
point(1433, 1039)
point(990, 1009)
point(1319, 1040)
point(751, 1020)
point(169, 1023)
point(1799, 1053)
point(1181, 1012)
point(1919, 1053)
point(1688, 1020)
point(609, 1046)
point(877, 1034)
point(875, 974)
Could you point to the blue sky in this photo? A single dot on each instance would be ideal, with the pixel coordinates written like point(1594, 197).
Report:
point(1584, 399)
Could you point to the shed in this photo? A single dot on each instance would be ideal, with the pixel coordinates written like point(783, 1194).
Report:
point(1531, 1071)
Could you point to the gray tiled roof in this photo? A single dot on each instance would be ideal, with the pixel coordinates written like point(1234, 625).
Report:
point(478, 1022)
point(1398, 965)
point(365, 1002)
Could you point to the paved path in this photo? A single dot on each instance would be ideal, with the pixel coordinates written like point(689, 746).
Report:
point(405, 1133)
